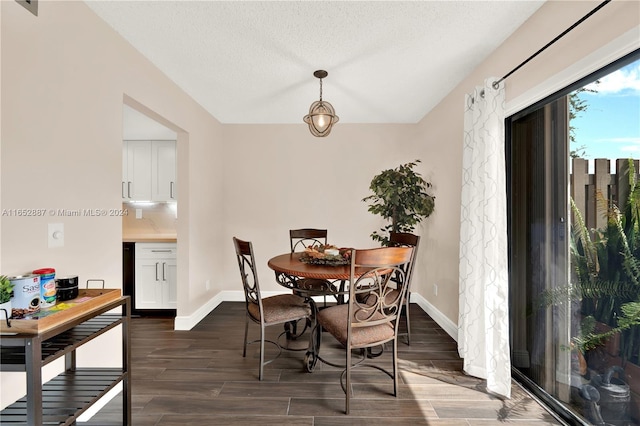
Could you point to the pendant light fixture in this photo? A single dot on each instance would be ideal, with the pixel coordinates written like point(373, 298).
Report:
point(322, 116)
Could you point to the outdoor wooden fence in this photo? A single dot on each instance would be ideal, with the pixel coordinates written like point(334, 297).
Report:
point(585, 187)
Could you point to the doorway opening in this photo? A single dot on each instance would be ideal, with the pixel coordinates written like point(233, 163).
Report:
point(150, 199)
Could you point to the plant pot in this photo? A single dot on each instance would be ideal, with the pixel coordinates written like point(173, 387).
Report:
point(5, 310)
point(633, 375)
point(611, 344)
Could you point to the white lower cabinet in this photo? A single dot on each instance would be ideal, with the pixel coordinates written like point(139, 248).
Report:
point(156, 276)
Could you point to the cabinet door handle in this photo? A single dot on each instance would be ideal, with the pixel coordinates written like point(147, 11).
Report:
point(163, 276)
point(171, 190)
point(161, 251)
point(157, 270)
point(129, 189)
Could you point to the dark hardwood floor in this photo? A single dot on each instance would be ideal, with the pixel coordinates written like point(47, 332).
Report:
point(199, 377)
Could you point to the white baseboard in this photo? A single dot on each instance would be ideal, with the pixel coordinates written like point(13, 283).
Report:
point(443, 321)
point(188, 322)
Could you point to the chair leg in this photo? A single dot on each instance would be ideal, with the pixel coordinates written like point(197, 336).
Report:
point(348, 381)
point(407, 319)
point(246, 331)
point(394, 342)
point(261, 352)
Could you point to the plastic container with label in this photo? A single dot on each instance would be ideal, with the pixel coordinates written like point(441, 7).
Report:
point(47, 286)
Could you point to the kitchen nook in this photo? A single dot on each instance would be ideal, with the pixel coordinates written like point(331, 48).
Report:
point(149, 196)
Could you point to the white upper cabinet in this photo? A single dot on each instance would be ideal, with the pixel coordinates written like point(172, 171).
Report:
point(136, 169)
point(163, 170)
point(149, 171)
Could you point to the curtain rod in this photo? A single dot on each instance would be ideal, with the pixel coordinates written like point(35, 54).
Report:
point(581, 20)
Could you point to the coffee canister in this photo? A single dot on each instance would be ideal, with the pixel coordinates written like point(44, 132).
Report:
point(67, 287)
point(47, 286)
point(26, 295)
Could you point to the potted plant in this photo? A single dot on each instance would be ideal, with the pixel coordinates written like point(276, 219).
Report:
point(6, 292)
point(400, 196)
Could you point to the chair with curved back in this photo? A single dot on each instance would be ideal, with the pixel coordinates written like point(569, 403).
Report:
point(405, 239)
point(370, 317)
point(300, 239)
point(273, 310)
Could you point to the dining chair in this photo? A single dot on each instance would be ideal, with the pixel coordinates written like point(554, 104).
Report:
point(372, 320)
point(306, 237)
point(273, 310)
point(300, 239)
point(405, 239)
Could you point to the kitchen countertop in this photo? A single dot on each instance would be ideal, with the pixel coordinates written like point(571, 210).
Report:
point(146, 238)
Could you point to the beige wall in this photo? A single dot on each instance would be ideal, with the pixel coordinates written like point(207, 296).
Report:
point(62, 97)
point(65, 75)
point(279, 177)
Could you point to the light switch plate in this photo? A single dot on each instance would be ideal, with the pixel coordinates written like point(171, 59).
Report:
point(138, 213)
point(56, 235)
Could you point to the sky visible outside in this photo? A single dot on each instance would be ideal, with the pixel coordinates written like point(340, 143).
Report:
point(610, 127)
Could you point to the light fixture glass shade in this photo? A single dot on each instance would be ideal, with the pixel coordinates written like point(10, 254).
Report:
point(321, 118)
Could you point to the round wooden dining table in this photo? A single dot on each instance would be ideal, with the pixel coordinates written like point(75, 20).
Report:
point(291, 264)
point(309, 280)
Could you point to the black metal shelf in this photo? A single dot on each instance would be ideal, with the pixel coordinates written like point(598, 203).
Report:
point(12, 358)
point(66, 396)
point(61, 400)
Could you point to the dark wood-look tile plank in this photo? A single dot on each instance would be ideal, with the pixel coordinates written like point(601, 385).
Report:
point(438, 391)
point(235, 420)
point(216, 406)
point(210, 375)
point(492, 410)
point(164, 363)
point(386, 421)
point(372, 408)
point(178, 389)
point(258, 390)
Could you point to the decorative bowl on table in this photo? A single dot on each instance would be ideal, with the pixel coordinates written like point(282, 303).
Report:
point(326, 254)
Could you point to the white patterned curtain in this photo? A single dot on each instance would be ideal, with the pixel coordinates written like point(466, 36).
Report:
point(483, 323)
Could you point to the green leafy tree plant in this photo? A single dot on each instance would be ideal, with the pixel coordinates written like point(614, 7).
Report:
point(400, 196)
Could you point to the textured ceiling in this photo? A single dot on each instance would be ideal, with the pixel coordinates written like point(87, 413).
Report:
point(253, 62)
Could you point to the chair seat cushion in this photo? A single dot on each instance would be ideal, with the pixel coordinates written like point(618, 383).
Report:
point(334, 320)
point(281, 308)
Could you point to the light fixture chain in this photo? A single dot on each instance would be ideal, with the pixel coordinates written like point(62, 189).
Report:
point(320, 90)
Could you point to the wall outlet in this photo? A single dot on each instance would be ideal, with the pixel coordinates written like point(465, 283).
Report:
point(435, 289)
point(138, 213)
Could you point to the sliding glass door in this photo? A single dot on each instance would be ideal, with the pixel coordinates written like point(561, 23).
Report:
point(574, 276)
